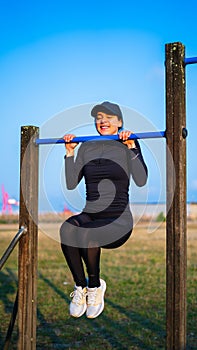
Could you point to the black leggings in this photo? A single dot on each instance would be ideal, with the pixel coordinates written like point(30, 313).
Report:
point(87, 251)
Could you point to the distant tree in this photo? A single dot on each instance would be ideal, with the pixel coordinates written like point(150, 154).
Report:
point(160, 217)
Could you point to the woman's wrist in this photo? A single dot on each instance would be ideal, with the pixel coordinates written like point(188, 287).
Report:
point(69, 153)
point(131, 145)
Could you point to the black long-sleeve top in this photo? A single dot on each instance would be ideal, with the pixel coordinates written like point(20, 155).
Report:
point(106, 167)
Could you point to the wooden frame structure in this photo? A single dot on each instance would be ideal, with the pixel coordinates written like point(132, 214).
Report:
point(176, 256)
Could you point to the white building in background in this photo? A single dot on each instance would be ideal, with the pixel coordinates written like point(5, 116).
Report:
point(147, 209)
point(152, 210)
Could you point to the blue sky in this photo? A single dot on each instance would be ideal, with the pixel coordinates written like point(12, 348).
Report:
point(57, 55)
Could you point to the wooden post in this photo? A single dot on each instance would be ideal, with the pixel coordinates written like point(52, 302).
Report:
point(176, 240)
point(27, 261)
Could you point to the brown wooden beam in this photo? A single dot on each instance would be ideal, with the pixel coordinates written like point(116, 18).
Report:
point(176, 240)
point(27, 260)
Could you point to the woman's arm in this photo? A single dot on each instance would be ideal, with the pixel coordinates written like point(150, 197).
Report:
point(137, 166)
point(73, 167)
point(73, 172)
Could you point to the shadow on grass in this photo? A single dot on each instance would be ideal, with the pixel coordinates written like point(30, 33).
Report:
point(129, 330)
point(138, 324)
point(8, 288)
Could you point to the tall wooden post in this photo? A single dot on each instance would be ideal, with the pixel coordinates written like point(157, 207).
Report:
point(28, 216)
point(176, 249)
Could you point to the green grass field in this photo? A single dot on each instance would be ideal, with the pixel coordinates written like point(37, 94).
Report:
point(134, 315)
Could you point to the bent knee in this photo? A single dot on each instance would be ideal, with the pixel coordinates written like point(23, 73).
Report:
point(68, 228)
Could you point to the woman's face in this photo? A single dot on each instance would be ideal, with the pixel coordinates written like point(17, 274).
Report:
point(107, 124)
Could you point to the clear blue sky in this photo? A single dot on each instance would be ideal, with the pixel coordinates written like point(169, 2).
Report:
point(55, 55)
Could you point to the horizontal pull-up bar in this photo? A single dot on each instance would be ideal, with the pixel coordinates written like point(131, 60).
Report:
point(190, 60)
point(140, 135)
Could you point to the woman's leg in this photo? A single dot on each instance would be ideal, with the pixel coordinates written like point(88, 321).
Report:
point(91, 257)
point(75, 264)
point(71, 253)
point(70, 232)
point(83, 249)
point(76, 245)
point(119, 242)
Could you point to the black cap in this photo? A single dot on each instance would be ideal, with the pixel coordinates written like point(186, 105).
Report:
point(108, 108)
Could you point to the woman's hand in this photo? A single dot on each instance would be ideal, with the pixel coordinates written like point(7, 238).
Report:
point(124, 135)
point(69, 146)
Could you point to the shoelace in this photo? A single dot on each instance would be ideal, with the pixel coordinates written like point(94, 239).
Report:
point(92, 296)
point(77, 296)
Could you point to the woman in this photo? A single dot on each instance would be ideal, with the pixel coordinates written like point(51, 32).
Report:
point(106, 220)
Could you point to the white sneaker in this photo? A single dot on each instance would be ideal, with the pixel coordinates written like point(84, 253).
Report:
point(95, 300)
point(78, 304)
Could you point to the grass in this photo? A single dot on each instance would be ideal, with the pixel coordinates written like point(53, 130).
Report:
point(134, 315)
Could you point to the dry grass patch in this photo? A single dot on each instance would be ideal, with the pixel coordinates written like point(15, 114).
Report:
point(134, 315)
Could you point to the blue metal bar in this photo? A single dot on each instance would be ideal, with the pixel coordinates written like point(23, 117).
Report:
point(190, 60)
point(140, 135)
